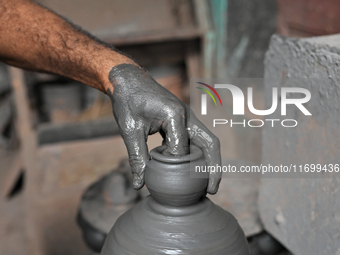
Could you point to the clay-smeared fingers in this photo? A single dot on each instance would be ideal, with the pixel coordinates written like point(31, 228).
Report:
point(202, 137)
point(176, 135)
point(138, 155)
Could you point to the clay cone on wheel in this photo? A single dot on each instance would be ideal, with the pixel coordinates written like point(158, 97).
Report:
point(176, 218)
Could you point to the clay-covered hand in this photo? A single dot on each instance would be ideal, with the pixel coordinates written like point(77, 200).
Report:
point(143, 107)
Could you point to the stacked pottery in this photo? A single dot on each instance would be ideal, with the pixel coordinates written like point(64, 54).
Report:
point(176, 218)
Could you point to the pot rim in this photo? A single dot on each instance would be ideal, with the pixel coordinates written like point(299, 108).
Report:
point(157, 154)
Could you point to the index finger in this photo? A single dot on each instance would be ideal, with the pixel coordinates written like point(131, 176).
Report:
point(176, 135)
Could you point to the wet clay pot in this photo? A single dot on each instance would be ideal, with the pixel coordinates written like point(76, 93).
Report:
point(168, 177)
point(176, 218)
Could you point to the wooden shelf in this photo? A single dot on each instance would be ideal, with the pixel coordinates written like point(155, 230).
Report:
point(55, 133)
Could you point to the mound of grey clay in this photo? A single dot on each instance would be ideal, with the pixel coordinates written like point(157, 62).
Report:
point(176, 218)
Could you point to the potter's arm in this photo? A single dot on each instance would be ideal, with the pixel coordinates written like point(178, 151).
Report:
point(34, 38)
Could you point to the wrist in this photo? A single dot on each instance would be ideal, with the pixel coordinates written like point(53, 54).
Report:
point(111, 63)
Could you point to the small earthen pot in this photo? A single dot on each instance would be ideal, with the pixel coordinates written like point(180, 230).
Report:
point(168, 177)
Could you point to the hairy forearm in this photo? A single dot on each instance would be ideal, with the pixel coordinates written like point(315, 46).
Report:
point(34, 38)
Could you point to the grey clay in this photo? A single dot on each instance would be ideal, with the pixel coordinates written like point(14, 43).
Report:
point(143, 107)
point(176, 218)
point(168, 178)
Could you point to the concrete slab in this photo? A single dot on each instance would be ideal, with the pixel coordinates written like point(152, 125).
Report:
point(303, 213)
